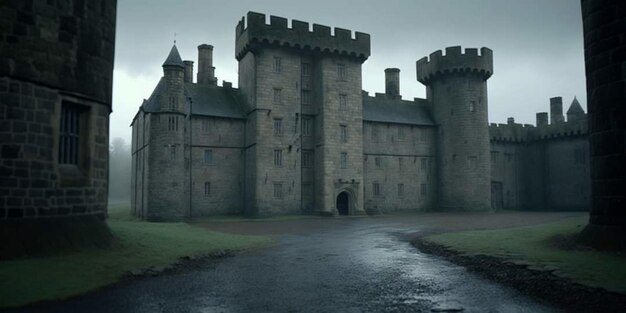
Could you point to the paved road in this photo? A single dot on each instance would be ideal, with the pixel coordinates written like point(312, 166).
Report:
point(330, 265)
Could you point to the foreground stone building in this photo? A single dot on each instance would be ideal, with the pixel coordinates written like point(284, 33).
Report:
point(300, 135)
point(56, 69)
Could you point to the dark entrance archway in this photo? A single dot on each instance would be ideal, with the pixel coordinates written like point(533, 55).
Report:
point(343, 203)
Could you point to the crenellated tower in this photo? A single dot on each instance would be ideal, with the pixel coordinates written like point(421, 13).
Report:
point(304, 130)
point(457, 92)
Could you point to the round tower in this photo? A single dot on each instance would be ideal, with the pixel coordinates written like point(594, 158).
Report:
point(457, 92)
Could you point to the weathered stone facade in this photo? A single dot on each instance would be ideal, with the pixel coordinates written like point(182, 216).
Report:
point(300, 136)
point(56, 58)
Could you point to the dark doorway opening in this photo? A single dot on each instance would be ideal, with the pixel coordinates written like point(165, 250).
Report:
point(343, 202)
point(497, 202)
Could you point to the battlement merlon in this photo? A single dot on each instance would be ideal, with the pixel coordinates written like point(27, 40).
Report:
point(298, 36)
point(455, 61)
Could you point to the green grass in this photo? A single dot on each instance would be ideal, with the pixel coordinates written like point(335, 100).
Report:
point(137, 246)
point(536, 246)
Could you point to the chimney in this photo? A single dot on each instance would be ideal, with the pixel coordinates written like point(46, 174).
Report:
point(556, 110)
point(206, 70)
point(542, 119)
point(392, 83)
point(188, 71)
point(510, 120)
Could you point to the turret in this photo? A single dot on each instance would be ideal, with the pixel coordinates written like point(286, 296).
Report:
point(575, 111)
point(556, 110)
point(457, 92)
point(206, 70)
point(542, 119)
point(392, 83)
point(173, 74)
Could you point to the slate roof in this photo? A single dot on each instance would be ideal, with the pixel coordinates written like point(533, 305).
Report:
point(173, 59)
point(215, 101)
point(381, 109)
point(575, 108)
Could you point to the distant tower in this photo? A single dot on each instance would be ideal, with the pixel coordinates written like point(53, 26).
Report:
point(575, 111)
point(556, 110)
point(457, 91)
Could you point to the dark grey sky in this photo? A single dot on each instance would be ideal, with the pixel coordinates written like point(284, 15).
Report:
point(537, 44)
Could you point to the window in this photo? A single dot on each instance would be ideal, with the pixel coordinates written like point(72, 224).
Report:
point(278, 127)
point(494, 157)
point(208, 156)
point(69, 136)
point(307, 125)
point(306, 71)
point(307, 158)
point(278, 190)
point(424, 164)
point(472, 106)
point(341, 71)
point(173, 103)
point(277, 65)
point(172, 123)
point(205, 126)
point(343, 102)
point(378, 161)
point(400, 133)
point(400, 190)
point(423, 189)
point(172, 152)
point(472, 162)
point(343, 162)
point(207, 189)
point(401, 164)
point(278, 97)
point(306, 97)
point(374, 133)
point(343, 133)
point(376, 189)
point(278, 158)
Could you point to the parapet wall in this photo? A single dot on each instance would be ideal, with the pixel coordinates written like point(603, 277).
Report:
point(299, 37)
point(515, 132)
point(455, 61)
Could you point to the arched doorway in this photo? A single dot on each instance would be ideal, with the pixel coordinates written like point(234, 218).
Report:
point(343, 203)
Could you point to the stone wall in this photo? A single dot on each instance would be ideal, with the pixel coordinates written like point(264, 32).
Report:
point(406, 155)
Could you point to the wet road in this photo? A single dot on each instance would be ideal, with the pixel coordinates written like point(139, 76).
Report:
point(346, 265)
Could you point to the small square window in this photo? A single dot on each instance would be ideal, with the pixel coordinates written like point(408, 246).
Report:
point(306, 97)
point(277, 65)
point(306, 71)
point(343, 133)
point(472, 106)
point(278, 158)
point(343, 102)
point(401, 190)
point(205, 126)
point(278, 97)
point(307, 158)
point(424, 164)
point(401, 164)
point(341, 71)
point(69, 135)
point(376, 189)
point(172, 152)
point(472, 162)
point(278, 190)
point(307, 126)
point(207, 189)
point(344, 160)
point(208, 157)
point(378, 161)
point(278, 127)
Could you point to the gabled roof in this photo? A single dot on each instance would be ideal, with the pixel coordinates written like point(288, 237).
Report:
point(173, 59)
point(381, 109)
point(217, 101)
point(575, 108)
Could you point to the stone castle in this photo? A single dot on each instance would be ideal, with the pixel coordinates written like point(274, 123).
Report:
point(299, 135)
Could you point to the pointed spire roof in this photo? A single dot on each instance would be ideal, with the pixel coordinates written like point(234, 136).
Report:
point(173, 59)
point(575, 108)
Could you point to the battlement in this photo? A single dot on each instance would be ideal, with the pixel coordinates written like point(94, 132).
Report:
point(515, 132)
point(299, 36)
point(455, 61)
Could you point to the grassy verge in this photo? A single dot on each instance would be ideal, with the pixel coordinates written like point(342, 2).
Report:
point(137, 246)
point(541, 247)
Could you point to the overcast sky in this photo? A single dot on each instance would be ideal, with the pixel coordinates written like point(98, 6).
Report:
point(537, 44)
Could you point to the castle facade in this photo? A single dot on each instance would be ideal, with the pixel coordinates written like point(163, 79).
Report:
point(299, 135)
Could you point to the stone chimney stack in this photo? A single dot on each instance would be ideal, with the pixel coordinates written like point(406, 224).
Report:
point(392, 83)
point(188, 71)
point(510, 120)
point(556, 110)
point(206, 70)
point(542, 119)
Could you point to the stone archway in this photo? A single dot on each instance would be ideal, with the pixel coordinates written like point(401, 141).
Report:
point(343, 203)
